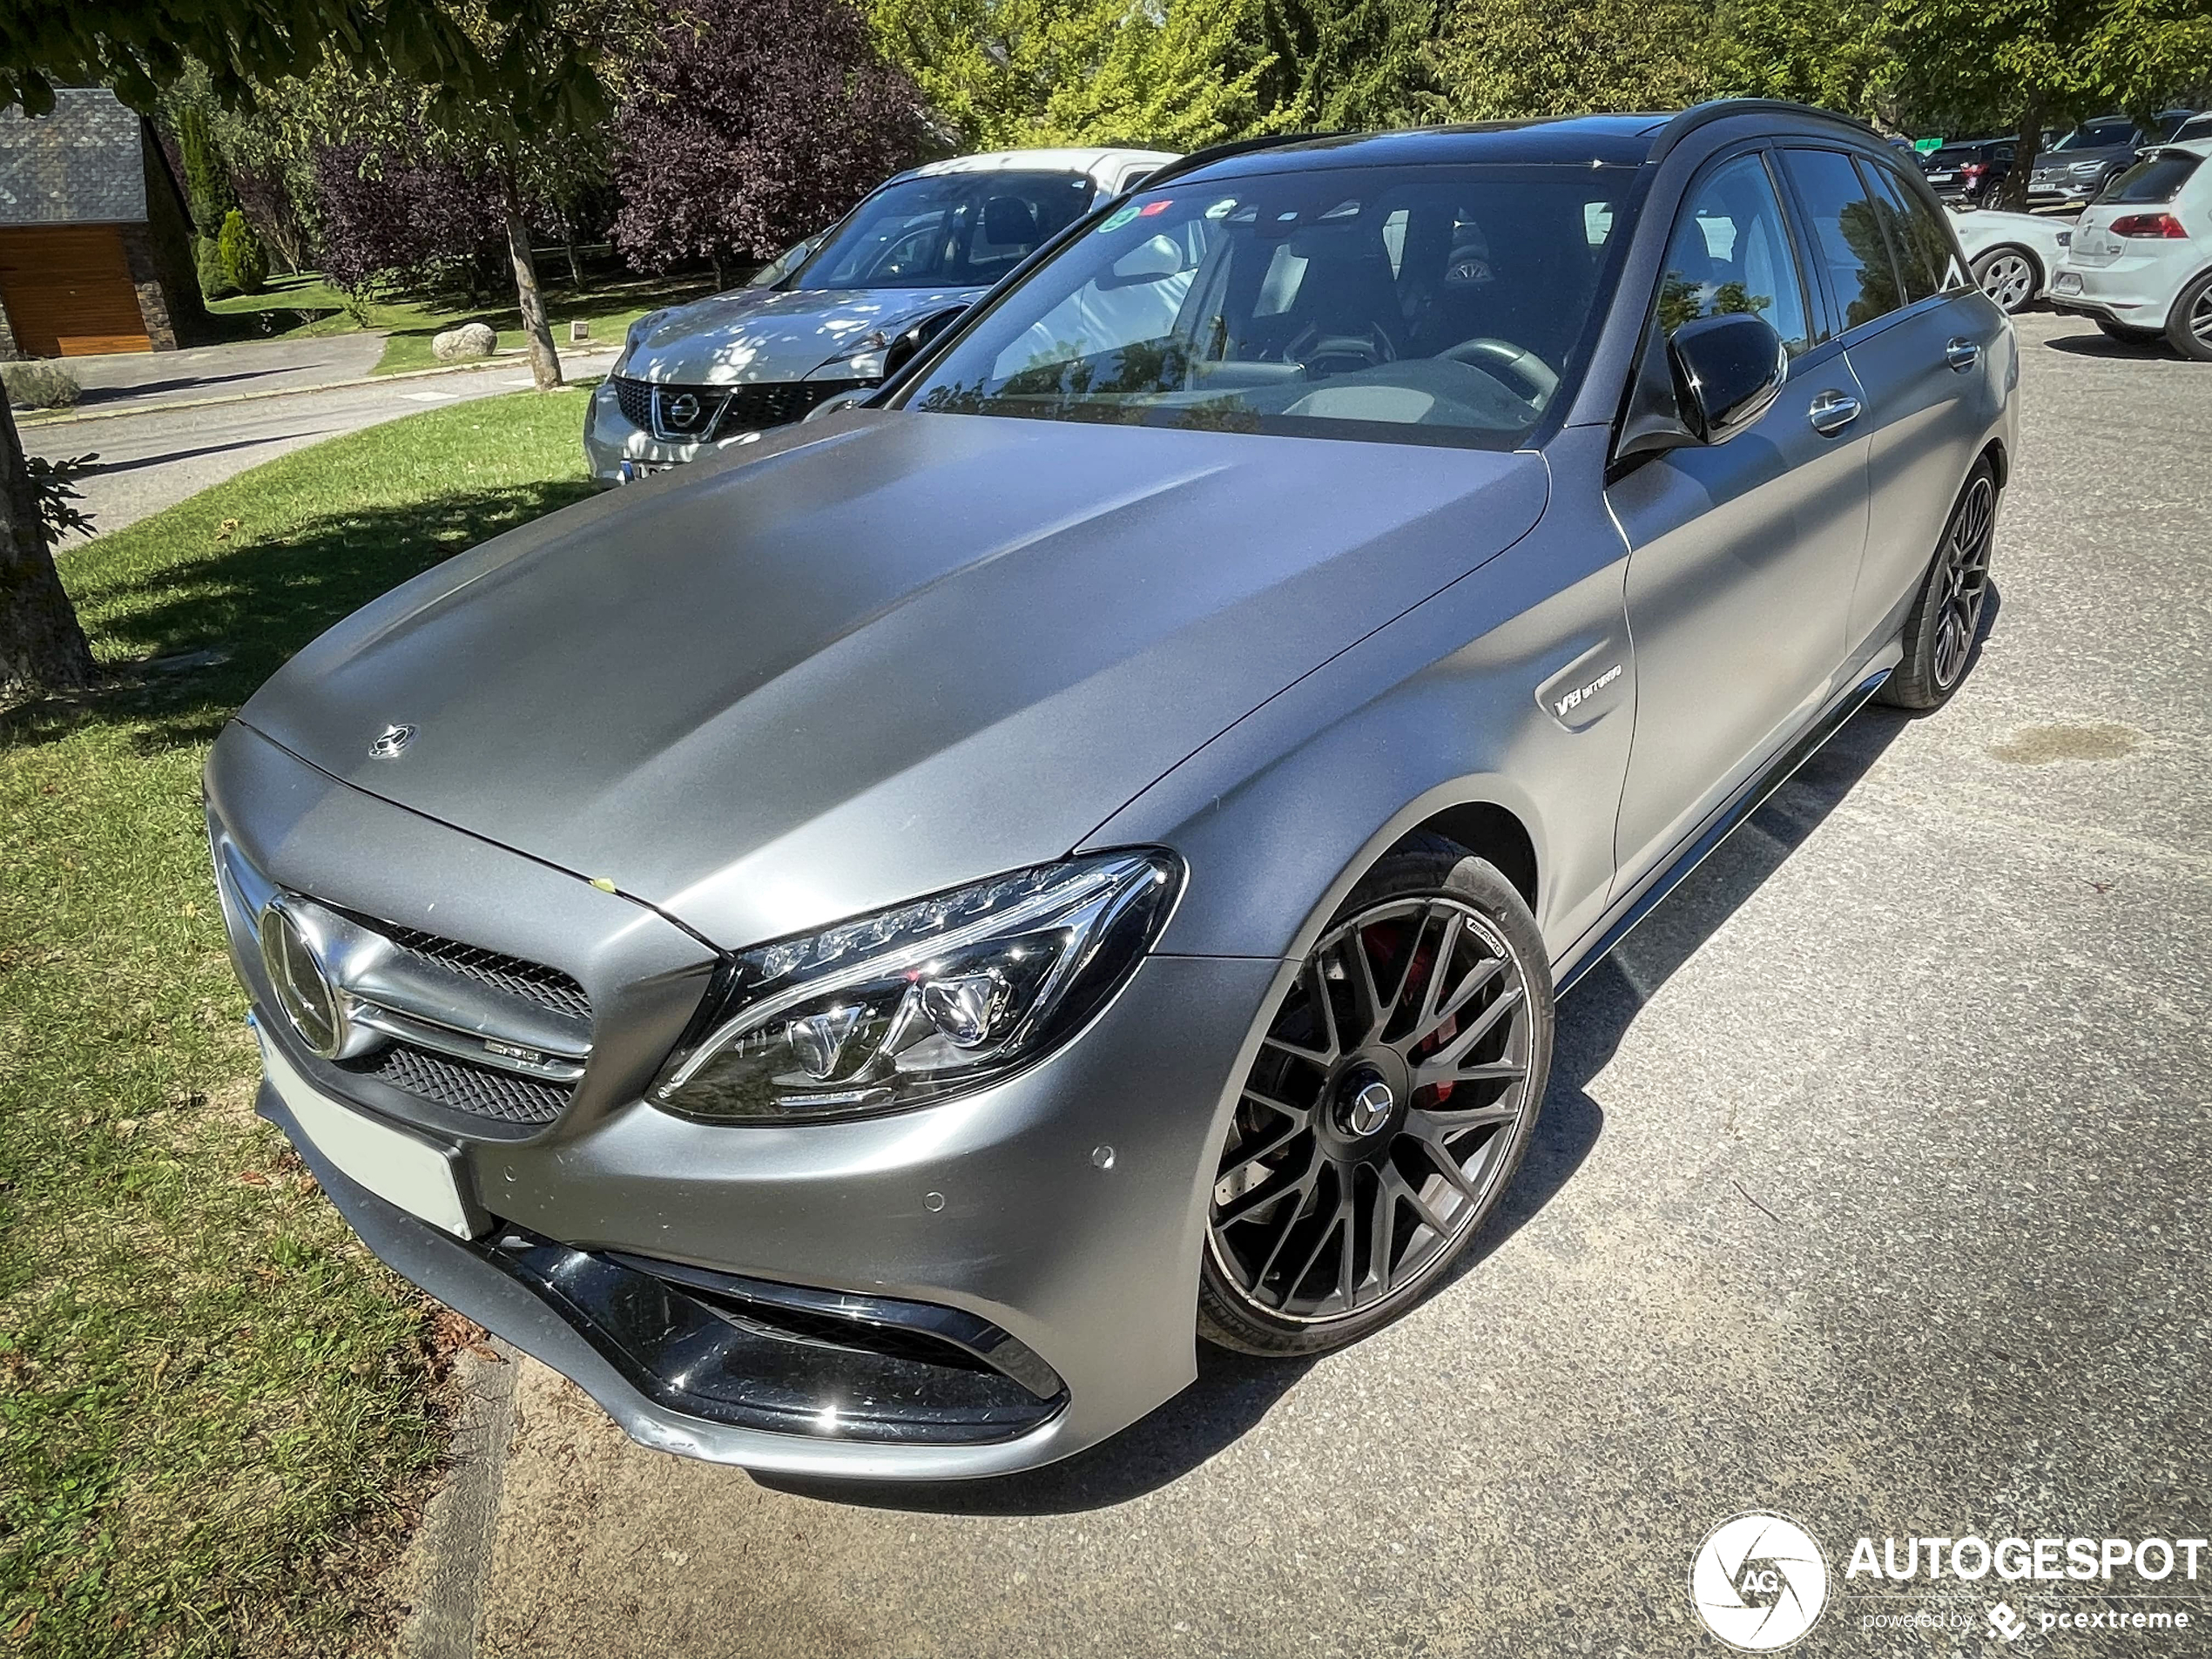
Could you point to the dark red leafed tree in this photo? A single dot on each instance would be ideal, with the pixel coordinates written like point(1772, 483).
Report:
point(400, 216)
point(749, 123)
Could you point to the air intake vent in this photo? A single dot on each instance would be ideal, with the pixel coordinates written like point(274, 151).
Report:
point(479, 1090)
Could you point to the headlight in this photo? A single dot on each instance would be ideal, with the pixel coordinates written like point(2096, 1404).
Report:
point(634, 338)
point(2085, 169)
point(912, 1005)
point(867, 362)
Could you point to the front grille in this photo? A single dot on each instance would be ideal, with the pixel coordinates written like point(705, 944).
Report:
point(480, 1091)
point(661, 407)
point(548, 987)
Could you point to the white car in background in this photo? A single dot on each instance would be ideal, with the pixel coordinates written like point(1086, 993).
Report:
point(2013, 256)
point(2140, 261)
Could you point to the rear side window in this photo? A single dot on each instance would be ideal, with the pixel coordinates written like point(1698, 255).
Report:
point(1730, 252)
point(1919, 239)
point(2159, 179)
point(1847, 229)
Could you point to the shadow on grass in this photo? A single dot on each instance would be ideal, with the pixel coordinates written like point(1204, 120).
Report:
point(236, 615)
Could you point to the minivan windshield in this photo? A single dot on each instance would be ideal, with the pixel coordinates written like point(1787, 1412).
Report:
point(1421, 304)
point(951, 230)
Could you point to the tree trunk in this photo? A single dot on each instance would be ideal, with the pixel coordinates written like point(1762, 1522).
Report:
point(545, 362)
point(2013, 197)
point(576, 261)
point(42, 647)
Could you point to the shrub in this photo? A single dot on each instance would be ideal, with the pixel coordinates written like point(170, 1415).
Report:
point(245, 262)
point(207, 256)
point(37, 385)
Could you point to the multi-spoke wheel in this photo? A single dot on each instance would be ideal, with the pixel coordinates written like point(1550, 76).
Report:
point(2008, 276)
point(1945, 620)
point(2189, 330)
point(1390, 1099)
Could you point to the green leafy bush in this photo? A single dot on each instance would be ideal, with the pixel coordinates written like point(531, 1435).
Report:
point(214, 281)
point(37, 385)
point(245, 262)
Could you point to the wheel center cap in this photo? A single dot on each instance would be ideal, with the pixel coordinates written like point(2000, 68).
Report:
point(1366, 1107)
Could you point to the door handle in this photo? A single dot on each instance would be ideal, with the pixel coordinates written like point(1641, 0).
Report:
point(1831, 412)
point(1962, 355)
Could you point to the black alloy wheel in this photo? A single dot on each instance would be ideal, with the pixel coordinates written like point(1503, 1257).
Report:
point(1391, 1099)
point(1945, 620)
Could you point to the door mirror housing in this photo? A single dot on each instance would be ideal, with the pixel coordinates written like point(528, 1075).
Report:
point(911, 339)
point(1702, 384)
point(1728, 371)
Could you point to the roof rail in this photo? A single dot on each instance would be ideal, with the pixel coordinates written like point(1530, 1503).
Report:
point(1214, 152)
point(1721, 109)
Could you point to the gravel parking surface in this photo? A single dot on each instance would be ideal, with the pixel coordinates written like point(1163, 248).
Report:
point(1870, 1188)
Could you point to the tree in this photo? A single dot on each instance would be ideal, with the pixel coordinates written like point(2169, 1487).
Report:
point(748, 123)
point(1833, 53)
point(207, 181)
point(139, 46)
point(1178, 74)
point(1346, 66)
point(245, 262)
point(1496, 59)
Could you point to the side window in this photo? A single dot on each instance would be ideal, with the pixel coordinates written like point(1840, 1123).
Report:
point(1923, 246)
point(1730, 252)
point(1849, 233)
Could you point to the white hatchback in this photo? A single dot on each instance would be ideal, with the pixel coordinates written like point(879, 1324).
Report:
point(2013, 256)
point(2140, 262)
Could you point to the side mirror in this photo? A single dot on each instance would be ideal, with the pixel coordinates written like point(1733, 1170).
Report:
point(1728, 370)
point(1703, 384)
point(911, 339)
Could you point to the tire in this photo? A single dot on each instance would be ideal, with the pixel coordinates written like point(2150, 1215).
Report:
point(2011, 276)
point(1435, 962)
point(2122, 332)
point(1945, 617)
point(2188, 327)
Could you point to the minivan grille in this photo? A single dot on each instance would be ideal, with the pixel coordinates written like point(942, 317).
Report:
point(680, 413)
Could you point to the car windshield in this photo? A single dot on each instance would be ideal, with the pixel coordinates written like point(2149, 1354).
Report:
point(2159, 179)
point(2097, 135)
point(1424, 303)
point(953, 230)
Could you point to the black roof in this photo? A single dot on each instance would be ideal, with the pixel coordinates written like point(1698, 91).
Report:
point(82, 164)
point(1617, 140)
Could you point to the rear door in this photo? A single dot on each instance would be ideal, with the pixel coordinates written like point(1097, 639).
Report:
point(1742, 555)
point(1916, 334)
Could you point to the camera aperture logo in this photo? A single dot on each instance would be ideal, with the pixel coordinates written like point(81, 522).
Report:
point(1759, 1581)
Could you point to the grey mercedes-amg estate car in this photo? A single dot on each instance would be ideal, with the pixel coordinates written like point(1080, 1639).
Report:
point(864, 950)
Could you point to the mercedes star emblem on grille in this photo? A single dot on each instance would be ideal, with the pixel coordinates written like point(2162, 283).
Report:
point(301, 988)
point(390, 741)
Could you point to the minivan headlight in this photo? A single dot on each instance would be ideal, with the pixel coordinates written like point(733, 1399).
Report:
point(915, 1004)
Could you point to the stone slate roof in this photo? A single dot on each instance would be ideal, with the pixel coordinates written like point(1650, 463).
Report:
point(81, 165)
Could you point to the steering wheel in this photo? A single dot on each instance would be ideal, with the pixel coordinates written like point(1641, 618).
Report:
point(1491, 355)
point(1372, 348)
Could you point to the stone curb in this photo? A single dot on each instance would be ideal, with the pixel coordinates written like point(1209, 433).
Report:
point(451, 1552)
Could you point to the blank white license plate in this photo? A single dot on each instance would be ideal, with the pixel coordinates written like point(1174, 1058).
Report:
point(2068, 282)
point(414, 1174)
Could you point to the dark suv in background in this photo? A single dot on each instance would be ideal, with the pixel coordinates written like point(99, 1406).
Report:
point(1968, 173)
point(2093, 155)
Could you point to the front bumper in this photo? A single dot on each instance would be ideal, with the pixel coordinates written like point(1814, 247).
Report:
point(619, 449)
point(1064, 1208)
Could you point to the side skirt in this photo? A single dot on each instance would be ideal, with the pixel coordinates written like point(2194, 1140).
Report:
point(1717, 829)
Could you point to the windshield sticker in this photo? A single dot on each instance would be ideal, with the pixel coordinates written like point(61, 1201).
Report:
point(1118, 218)
point(1159, 207)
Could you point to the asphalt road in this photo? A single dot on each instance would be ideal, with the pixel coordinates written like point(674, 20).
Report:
point(1869, 1190)
point(160, 451)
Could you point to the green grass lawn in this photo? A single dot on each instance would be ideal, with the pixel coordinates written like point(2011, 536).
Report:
point(305, 306)
point(216, 1410)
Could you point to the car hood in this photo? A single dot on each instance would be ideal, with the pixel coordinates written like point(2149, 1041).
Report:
point(2058, 161)
point(760, 335)
point(879, 655)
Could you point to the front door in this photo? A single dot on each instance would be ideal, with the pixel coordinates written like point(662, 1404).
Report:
point(1743, 556)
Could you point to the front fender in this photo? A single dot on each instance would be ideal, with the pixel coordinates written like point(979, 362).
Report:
point(1281, 814)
